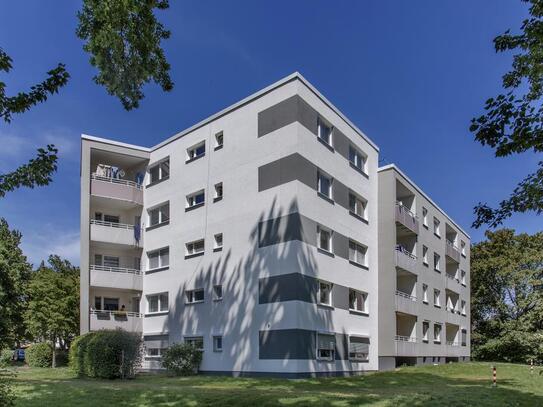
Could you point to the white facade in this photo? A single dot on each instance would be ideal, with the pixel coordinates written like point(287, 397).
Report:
point(277, 191)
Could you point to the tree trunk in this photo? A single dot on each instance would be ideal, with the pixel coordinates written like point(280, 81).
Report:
point(54, 364)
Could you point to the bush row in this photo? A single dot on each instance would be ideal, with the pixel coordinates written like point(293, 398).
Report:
point(106, 354)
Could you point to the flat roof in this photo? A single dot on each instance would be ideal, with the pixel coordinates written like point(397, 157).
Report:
point(114, 143)
point(420, 191)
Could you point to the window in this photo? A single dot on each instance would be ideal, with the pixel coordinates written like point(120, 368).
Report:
point(159, 215)
point(111, 261)
point(217, 292)
point(325, 293)
point(111, 304)
point(463, 307)
point(159, 172)
point(218, 242)
point(195, 296)
point(463, 277)
point(324, 239)
point(357, 159)
point(437, 333)
point(463, 248)
point(159, 258)
point(326, 345)
point(425, 329)
point(196, 341)
point(217, 344)
point(197, 151)
point(359, 348)
point(425, 293)
point(195, 248)
point(425, 255)
point(154, 352)
point(324, 132)
point(196, 199)
point(425, 217)
point(157, 303)
point(437, 231)
point(437, 262)
point(357, 253)
point(358, 301)
point(218, 192)
point(111, 218)
point(98, 303)
point(464, 337)
point(324, 185)
point(357, 206)
point(437, 300)
point(219, 140)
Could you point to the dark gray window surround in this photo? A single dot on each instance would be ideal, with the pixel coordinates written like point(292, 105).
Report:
point(295, 109)
point(290, 344)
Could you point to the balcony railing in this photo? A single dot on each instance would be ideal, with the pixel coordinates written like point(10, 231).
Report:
point(129, 321)
point(452, 251)
point(405, 295)
point(117, 314)
point(405, 259)
point(407, 218)
point(400, 338)
point(118, 181)
point(116, 233)
point(453, 343)
point(114, 269)
point(403, 250)
point(111, 224)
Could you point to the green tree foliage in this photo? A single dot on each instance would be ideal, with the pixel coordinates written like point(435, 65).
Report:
point(123, 38)
point(507, 299)
point(15, 274)
point(53, 304)
point(182, 359)
point(513, 122)
point(106, 354)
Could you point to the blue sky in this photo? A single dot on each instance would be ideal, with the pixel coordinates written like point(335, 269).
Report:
point(411, 75)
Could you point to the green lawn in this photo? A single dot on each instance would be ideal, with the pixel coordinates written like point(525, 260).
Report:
point(446, 385)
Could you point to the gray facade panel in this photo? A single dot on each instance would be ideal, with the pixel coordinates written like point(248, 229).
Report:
point(340, 245)
point(280, 115)
point(284, 344)
point(287, 287)
point(340, 296)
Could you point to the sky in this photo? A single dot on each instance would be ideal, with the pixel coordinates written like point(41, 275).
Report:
point(411, 75)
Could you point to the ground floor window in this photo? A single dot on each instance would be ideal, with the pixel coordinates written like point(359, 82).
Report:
point(154, 352)
point(326, 345)
point(196, 341)
point(359, 348)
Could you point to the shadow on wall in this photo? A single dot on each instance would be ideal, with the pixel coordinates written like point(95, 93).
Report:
point(239, 317)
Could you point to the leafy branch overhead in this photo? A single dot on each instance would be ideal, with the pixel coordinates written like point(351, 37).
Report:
point(37, 172)
point(513, 122)
point(123, 38)
point(20, 103)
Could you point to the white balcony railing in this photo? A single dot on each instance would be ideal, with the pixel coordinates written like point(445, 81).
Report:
point(116, 313)
point(111, 224)
point(118, 181)
point(129, 321)
point(452, 251)
point(405, 295)
point(452, 343)
point(96, 267)
point(400, 338)
point(403, 250)
point(407, 218)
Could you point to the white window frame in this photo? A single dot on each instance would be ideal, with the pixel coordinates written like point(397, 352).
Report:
point(219, 136)
point(463, 277)
point(190, 296)
point(193, 339)
point(160, 353)
point(437, 298)
point(321, 229)
point(191, 151)
point(320, 176)
point(321, 124)
point(425, 293)
point(191, 199)
point(215, 347)
point(358, 250)
point(159, 165)
point(216, 296)
point(463, 307)
point(332, 351)
point(424, 217)
point(437, 338)
point(357, 358)
point(161, 217)
point(463, 248)
point(425, 334)
point(437, 227)
point(190, 248)
point(364, 307)
point(218, 242)
point(360, 159)
point(424, 255)
point(359, 202)
point(330, 288)
point(219, 192)
point(159, 302)
point(437, 262)
point(161, 253)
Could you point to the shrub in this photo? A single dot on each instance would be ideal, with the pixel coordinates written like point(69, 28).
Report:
point(39, 355)
point(7, 397)
point(6, 357)
point(106, 354)
point(182, 359)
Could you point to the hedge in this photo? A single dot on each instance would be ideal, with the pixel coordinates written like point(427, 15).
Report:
point(39, 355)
point(182, 359)
point(106, 354)
point(6, 357)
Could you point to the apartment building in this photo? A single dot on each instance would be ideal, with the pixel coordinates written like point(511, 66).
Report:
point(252, 235)
point(424, 294)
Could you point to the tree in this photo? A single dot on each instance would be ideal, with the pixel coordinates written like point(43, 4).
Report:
point(15, 273)
point(513, 122)
point(53, 304)
point(507, 306)
point(123, 38)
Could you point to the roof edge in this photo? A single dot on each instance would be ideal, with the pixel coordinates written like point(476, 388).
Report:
point(419, 190)
point(114, 143)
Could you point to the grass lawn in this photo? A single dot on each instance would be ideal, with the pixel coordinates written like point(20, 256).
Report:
point(458, 384)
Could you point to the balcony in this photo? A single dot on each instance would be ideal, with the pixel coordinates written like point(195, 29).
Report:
point(129, 321)
point(406, 303)
point(115, 233)
point(451, 282)
point(115, 277)
point(116, 188)
point(405, 259)
point(453, 316)
point(406, 219)
point(452, 251)
point(406, 345)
